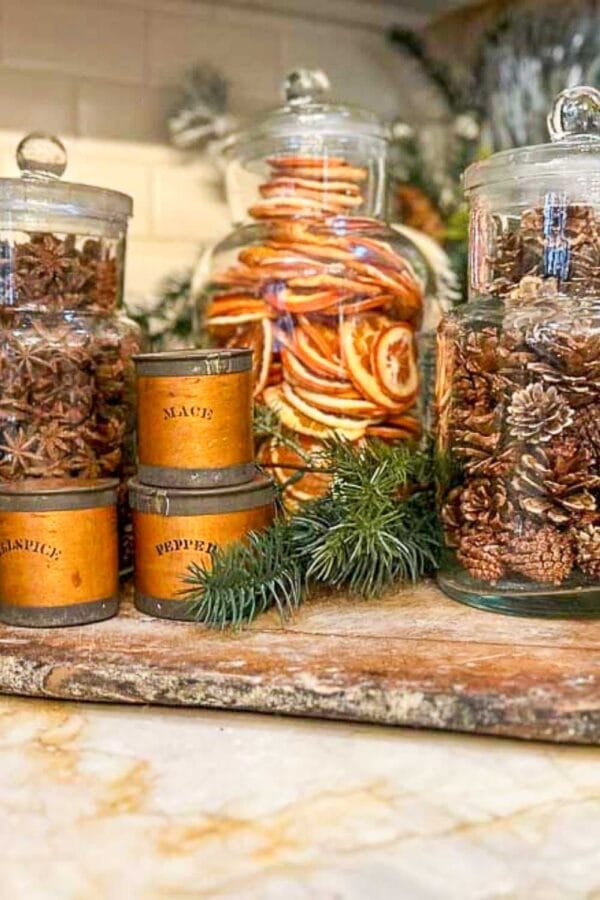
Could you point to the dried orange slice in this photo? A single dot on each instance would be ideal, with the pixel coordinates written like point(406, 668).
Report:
point(314, 184)
point(324, 336)
point(287, 463)
point(299, 374)
point(358, 337)
point(387, 432)
point(334, 282)
point(341, 406)
point(300, 423)
point(258, 336)
point(394, 362)
point(306, 351)
point(237, 309)
point(350, 427)
point(286, 300)
point(291, 417)
point(265, 256)
point(285, 162)
point(331, 170)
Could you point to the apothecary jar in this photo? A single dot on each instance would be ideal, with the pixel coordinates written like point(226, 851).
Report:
point(518, 389)
point(329, 298)
point(66, 406)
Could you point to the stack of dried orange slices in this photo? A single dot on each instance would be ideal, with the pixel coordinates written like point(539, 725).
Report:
point(330, 310)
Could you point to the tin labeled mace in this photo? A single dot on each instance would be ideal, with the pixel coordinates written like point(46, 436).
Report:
point(174, 528)
point(58, 551)
point(195, 418)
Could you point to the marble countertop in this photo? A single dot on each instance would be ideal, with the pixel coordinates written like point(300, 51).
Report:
point(116, 802)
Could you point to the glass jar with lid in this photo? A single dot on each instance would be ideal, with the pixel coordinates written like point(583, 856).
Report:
point(329, 298)
point(518, 386)
point(65, 347)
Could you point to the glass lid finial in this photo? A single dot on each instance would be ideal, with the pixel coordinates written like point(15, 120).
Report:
point(306, 85)
point(575, 113)
point(41, 156)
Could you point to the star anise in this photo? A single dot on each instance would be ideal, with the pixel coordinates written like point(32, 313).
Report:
point(19, 450)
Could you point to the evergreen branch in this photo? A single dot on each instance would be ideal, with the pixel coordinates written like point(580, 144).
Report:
point(378, 523)
point(246, 579)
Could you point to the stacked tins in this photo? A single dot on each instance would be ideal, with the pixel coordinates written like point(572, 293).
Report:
point(197, 487)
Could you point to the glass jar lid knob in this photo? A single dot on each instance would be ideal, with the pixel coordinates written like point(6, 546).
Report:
point(306, 86)
point(41, 156)
point(575, 114)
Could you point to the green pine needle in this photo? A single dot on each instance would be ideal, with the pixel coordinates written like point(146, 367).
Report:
point(378, 523)
point(246, 579)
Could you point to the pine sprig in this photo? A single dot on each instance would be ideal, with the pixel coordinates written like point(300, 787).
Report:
point(378, 523)
point(246, 579)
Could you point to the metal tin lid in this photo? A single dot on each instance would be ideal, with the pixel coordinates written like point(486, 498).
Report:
point(40, 193)
point(193, 362)
point(51, 494)
point(573, 151)
point(194, 502)
point(307, 118)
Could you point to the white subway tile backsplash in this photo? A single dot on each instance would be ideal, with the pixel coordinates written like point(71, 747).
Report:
point(37, 101)
point(133, 178)
point(74, 37)
point(360, 64)
point(148, 262)
point(122, 111)
point(202, 216)
point(247, 56)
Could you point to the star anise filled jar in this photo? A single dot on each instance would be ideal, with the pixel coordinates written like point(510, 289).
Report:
point(66, 408)
point(518, 387)
point(329, 298)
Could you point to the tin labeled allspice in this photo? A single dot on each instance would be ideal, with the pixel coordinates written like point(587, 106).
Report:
point(58, 551)
point(174, 528)
point(195, 418)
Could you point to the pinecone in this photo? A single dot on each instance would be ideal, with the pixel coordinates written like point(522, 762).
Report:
point(515, 258)
point(587, 550)
point(537, 413)
point(532, 289)
point(554, 483)
point(451, 516)
point(577, 390)
point(484, 501)
point(587, 431)
point(481, 553)
point(481, 502)
point(542, 554)
point(569, 341)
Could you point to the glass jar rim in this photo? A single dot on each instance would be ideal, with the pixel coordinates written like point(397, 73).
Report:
point(575, 156)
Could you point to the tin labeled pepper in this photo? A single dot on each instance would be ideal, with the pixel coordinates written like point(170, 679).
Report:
point(58, 551)
point(195, 418)
point(174, 528)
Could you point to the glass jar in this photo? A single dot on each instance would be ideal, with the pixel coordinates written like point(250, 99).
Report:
point(65, 348)
point(518, 386)
point(329, 298)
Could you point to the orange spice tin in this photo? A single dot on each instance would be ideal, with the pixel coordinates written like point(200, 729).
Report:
point(174, 528)
point(58, 551)
point(195, 418)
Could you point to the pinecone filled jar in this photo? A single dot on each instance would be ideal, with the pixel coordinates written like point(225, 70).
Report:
point(66, 409)
point(518, 379)
point(329, 298)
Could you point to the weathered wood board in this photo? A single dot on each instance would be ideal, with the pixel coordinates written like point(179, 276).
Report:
point(412, 658)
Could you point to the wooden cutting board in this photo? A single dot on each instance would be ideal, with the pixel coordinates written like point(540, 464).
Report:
point(412, 658)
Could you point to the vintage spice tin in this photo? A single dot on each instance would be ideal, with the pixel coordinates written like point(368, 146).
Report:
point(195, 418)
point(58, 551)
point(174, 528)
